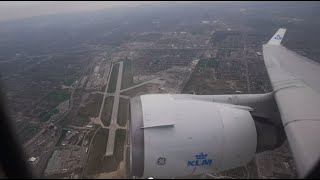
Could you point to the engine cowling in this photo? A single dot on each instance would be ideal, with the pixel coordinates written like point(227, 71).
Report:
point(172, 136)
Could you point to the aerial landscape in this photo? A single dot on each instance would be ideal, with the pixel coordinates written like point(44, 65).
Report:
point(68, 78)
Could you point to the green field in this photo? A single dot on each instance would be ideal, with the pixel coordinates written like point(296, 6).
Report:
point(59, 175)
point(107, 111)
point(30, 132)
point(43, 113)
point(69, 81)
point(97, 151)
point(127, 76)
point(113, 79)
point(111, 163)
point(127, 163)
point(213, 62)
point(202, 64)
point(91, 109)
point(202, 81)
point(123, 112)
point(54, 98)
point(63, 134)
point(57, 96)
point(27, 132)
point(81, 140)
point(97, 162)
point(45, 116)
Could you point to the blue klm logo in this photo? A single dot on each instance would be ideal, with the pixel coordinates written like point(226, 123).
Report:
point(200, 160)
point(278, 37)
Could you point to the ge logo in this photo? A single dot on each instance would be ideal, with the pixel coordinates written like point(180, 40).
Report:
point(161, 161)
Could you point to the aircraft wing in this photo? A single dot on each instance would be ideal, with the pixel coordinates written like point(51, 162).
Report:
point(296, 83)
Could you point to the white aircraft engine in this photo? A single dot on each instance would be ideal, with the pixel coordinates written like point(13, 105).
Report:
point(172, 136)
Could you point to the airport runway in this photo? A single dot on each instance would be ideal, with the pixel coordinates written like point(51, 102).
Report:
point(114, 116)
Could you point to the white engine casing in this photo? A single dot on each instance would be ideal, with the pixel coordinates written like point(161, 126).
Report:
point(183, 137)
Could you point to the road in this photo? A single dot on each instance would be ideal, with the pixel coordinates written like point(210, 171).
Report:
point(77, 127)
point(85, 166)
point(156, 81)
point(246, 63)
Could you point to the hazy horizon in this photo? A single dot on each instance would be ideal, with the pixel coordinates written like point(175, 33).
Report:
point(14, 10)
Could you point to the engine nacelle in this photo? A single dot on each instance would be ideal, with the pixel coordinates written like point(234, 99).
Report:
point(172, 136)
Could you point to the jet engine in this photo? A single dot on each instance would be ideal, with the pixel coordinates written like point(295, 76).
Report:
point(173, 136)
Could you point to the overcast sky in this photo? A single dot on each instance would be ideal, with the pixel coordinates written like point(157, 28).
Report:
point(10, 10)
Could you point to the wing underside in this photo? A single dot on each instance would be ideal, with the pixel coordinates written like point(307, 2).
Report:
point(296, 84)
